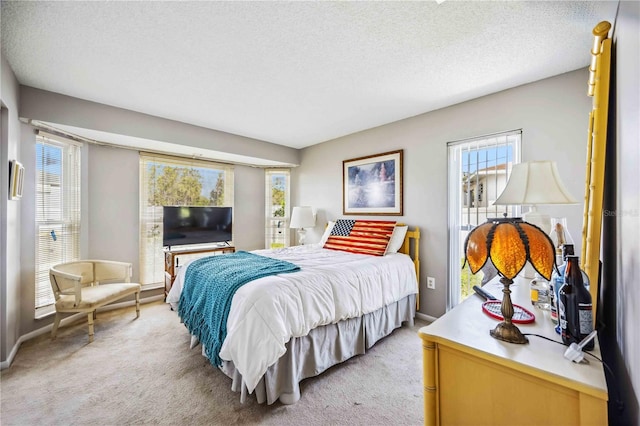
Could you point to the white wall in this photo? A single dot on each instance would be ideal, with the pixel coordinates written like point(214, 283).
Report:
point(27, 229)
point(553, 116)
point(52, 107)
point(111, 200)
point(627, 214)
point(249, 201)
point(9, 212)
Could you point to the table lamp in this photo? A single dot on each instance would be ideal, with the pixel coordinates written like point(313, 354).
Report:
point(509, 243)
point(531, 184)
point(302, 217)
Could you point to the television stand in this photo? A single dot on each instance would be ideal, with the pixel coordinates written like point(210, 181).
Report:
point(172, 259)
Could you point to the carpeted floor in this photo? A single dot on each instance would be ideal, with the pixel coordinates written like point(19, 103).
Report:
point(142, 372)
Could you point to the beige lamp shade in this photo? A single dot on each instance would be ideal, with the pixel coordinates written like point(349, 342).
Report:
point(533, 183)
point(302, 217)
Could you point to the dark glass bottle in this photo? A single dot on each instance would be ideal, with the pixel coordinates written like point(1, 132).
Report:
point(557, 280)
point(575, 307)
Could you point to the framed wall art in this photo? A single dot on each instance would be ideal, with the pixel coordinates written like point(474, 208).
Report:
point(16, 180)
point(373, 185)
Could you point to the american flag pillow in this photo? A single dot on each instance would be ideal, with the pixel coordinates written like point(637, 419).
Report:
point(360, 236)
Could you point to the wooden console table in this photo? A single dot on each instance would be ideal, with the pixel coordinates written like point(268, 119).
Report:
point(470, 378)
point(171, 260)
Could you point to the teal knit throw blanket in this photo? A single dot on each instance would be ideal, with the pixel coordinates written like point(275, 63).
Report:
point(208, 288)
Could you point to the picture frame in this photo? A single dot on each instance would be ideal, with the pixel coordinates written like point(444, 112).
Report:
point(16, 180)
point(372, 185)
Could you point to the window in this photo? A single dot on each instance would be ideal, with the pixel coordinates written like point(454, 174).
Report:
point(57, 209)
point(172, 181)
point(277, 208)
point(478, 172)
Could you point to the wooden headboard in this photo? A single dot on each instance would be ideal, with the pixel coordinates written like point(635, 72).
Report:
point(599, 76)
point(411, 247)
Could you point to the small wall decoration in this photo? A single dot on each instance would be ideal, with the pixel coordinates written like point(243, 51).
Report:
point(16, 180)
point(373, 185)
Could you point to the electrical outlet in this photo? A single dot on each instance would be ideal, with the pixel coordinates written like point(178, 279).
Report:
point(431, 283)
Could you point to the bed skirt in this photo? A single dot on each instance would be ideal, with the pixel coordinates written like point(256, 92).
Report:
point(322, 348)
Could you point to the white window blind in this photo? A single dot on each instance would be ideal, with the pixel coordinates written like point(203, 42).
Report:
point(277, 208)
point(57, 209)
point(174, 181)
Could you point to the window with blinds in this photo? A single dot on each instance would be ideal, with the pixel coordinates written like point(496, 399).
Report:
point(174, 181)
point(57, 209)
point(478, 172)
point(277, 208)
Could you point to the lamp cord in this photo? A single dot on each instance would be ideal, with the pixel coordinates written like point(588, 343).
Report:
point(544, 337)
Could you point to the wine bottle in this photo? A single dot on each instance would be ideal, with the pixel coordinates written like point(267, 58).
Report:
point(566, 313)
point(575, 305)
point(585, 306)
point(557, 280)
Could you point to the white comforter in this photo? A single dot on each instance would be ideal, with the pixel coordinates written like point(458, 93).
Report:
point(331, 286)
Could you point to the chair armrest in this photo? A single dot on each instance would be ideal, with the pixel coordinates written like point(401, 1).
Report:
point(77, 284)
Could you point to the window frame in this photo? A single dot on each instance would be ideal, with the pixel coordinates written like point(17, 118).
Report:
point(277, 233)
point(66, 219)
point(150, 217)
point(469, 199)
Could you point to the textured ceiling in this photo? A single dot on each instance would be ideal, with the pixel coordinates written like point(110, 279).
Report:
point(293, 73)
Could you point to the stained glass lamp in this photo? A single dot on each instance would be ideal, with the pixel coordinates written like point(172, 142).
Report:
point(510, 243)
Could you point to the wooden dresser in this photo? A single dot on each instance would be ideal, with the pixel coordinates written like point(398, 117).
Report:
point(171, 259)
point(470, 378)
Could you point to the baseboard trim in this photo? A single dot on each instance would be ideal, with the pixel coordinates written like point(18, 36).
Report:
point(47, 328)
point(425, 317)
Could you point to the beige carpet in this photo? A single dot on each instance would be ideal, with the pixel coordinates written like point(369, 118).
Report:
point(142, 372)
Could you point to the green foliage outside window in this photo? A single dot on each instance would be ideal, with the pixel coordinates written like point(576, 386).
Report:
point(468, 280)
point(216, 196)
point(278, 196)
point(182, 186)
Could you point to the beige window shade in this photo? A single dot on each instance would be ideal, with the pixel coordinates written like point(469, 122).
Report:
point(174, 181)
point(57, 209)
point(277, 208)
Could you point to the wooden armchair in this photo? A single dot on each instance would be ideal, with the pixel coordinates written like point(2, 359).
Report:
point(86, 285)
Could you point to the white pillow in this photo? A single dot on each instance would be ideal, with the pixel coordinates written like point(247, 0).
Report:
point(327, 231)
point(397, 238)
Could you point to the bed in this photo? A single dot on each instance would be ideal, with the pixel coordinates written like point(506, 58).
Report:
point(287, 327)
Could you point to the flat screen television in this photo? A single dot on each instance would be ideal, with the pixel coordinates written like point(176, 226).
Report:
point(183, 225)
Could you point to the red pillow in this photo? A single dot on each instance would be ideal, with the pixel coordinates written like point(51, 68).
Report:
point(361, 236)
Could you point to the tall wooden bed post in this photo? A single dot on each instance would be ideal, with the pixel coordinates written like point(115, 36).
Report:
point(599, 77)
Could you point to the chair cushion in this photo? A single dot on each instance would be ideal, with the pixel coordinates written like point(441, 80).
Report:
point(96, 296)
